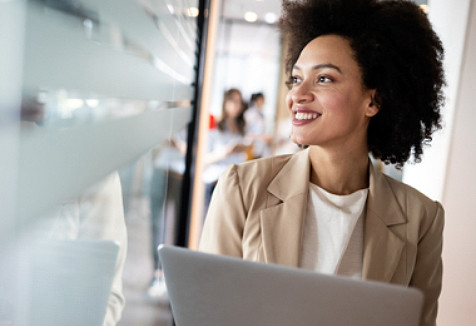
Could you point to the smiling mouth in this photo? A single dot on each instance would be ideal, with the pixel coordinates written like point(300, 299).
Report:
point(306, 116)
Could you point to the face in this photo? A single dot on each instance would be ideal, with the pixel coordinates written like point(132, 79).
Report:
point(259, 102)
point(234, 105)
point(330, 106)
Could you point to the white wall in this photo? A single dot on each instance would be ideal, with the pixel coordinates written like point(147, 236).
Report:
point(449, 19)
point(458, 299)
point(448, 172)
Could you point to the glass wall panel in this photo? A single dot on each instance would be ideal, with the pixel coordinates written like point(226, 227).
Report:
point(94, 106)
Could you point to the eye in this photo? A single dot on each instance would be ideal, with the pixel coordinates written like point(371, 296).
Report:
point(324, 79)
point(293, 80)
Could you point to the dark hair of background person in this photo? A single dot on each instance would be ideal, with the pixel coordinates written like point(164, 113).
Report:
point(240, 120)
point(399, 55)
point(255, 97)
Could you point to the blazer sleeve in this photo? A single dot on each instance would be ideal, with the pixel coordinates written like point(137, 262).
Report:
point(427, 275)
point(224, 223)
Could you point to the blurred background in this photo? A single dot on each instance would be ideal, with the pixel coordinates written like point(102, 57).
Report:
point(110, 142)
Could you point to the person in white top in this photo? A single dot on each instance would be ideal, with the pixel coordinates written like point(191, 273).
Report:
point(227, 143)
point(364, 77)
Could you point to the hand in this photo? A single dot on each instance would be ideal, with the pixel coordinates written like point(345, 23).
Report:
point(238, 148)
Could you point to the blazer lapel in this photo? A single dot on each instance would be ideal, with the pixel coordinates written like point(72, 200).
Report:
point(282, 222)
point(382, 246)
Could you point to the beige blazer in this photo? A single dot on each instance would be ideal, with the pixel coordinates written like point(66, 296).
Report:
point(258, 210)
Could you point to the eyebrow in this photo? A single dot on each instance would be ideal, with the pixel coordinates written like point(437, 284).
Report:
point(321, 66)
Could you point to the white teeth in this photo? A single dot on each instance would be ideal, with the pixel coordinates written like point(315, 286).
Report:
point(306, 116)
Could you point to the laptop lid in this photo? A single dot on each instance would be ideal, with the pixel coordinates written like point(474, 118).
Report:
point(216, 290)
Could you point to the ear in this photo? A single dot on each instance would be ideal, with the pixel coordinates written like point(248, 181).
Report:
point(372, 108)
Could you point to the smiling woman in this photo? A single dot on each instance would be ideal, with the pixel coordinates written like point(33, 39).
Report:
point(359, 84)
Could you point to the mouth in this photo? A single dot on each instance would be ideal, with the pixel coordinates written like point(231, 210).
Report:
point(302, 116)
point(306, 115)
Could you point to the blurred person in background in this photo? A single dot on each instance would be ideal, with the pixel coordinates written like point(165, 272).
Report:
point(227, 143)
point(256, 126)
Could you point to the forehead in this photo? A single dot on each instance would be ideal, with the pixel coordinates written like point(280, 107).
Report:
point(233, 93)
point(234, 96)
point(327, 49)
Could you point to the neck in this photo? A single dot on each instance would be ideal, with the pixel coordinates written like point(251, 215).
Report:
point(337, 172)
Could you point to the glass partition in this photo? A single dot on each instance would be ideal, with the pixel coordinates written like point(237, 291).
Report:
point(95, 102)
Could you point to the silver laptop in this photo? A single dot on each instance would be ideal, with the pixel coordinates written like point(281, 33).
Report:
point(215, 290)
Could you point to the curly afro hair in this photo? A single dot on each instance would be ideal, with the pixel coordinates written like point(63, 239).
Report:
point(399, 55)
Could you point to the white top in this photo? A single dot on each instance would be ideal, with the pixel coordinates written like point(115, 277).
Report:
point(333, 232)
point(221, 139)
point(255, 122)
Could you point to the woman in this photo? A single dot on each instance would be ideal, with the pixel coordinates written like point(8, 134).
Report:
point(365, 76)
point(226, 144)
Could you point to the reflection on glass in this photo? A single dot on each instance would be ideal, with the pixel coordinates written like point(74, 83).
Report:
point(165, 193)
point(62, 108)
point(152, 191)
point(69, 263)
point(86, 65)
point(86, 60)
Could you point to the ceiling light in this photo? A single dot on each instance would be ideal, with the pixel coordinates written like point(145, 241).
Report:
point(271, 17)
point(251, 16)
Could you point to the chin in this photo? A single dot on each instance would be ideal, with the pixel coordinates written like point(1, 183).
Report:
point(301, 141)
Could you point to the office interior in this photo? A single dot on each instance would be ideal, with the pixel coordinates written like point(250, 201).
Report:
point(105, 107)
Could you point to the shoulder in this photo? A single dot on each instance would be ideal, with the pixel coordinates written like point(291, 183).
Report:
point(217, 133)
point(251, 112)
point(255, 176)
point(417, 206)
point(271, 163)
point(262, 168)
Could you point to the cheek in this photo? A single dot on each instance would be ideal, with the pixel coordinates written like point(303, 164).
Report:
point(334, 101)
point(235, 110)
point(336, 105)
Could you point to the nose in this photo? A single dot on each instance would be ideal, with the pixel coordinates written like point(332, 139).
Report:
point(301, 93)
